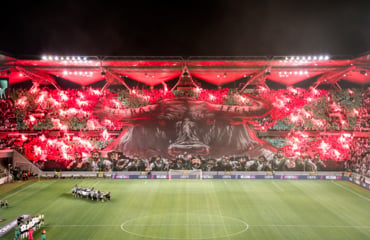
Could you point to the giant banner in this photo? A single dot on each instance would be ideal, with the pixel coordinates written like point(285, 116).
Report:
point(179, 126)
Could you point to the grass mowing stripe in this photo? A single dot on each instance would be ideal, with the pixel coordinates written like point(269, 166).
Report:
point(277, 186)
point(243, 225)
point(319, 203)
point(351, 191)
point(220, 213)
point(184, 209)
point(331, 201)
point(21, 190)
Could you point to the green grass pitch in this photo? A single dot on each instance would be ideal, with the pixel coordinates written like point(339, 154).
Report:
point(195, 209)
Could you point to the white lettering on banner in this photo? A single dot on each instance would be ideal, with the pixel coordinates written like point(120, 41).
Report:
point(269, 177)
point(184, 176)
point(8, 227)
point(331, 177)
point(161, 176)
point(245, 177)
point(226, 177)
point(207, 177)
point(142, 176)
point(290, 177)
point(311, 177)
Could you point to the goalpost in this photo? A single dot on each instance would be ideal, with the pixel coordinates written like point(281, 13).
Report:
point(185, 174)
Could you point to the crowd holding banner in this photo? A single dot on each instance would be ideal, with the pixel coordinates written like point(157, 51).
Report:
point(116, 161)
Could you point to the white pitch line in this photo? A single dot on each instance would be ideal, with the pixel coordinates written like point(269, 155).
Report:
point(82, 225)
point(249, 225)
point(349, 190)
point(21, 190)
point(186, 224)
point(305, 226)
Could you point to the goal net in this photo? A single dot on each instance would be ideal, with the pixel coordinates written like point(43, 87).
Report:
point(185, 174)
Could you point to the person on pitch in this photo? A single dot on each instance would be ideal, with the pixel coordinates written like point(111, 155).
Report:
point(30, 233)
point(43, 235)
point(17, 235)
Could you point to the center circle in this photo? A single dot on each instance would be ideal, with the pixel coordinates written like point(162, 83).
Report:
point(183, 226)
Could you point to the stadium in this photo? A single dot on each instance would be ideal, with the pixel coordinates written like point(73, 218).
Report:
point(102, 147)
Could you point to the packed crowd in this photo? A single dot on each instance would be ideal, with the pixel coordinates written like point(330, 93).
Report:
point(360, 157)
point(46, 109)
point(364, 111)
point(8, 142)
point(116, 161)
point(359, 164)
point(7, 115)
point(294, 109)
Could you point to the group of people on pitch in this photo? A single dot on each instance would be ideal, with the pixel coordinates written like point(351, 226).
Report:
point(91, 193)
point(26, 227)
point(4, 203)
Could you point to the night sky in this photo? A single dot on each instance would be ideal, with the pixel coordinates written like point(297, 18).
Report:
point(185, 28)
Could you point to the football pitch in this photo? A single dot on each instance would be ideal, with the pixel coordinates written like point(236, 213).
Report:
point(194, 209)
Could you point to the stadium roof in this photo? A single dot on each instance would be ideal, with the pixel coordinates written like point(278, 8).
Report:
point(284, 70)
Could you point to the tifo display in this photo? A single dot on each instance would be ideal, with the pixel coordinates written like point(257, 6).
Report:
point(299, 112)
point(182, 123)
